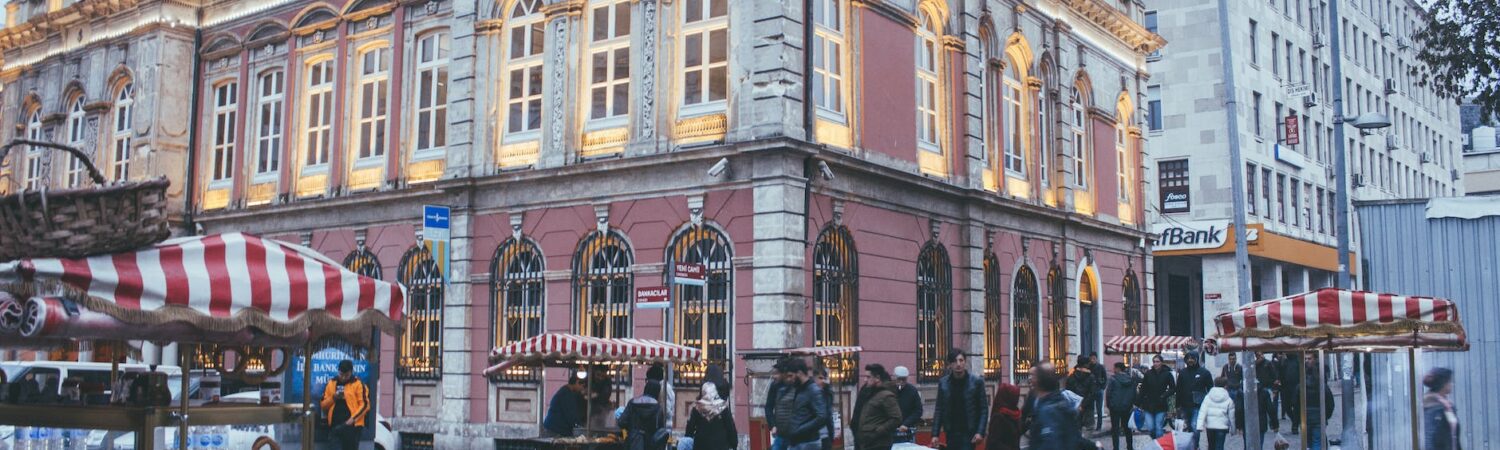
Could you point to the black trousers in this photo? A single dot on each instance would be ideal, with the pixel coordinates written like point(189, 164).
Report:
point(346, 437)
point(1119, 424)
point(1269, 417)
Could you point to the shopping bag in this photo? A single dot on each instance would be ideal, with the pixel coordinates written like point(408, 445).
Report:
point(1139, 418)
point(1173, 440)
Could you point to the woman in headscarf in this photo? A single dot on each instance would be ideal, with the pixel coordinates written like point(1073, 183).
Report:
point(1439, 417)
point(711, 424)
point(1005, 419)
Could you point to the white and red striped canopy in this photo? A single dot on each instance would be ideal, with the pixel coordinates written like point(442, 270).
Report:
point(1342, 319)
point(223, 282)
point(1121, 345)
point(822, 351)
point(568, 348)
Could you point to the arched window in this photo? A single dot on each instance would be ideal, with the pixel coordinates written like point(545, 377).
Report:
point(421, 347)
point(604, 285)
point(225, 111)
point(432, 92)
point(269, 99)
point(362, 262)
point(517, 291)
point(929, 89)
point(1015, 152)
point(35, 163)
point(1133, 317)
point(608, 62)
point(1041, 131)
point(828, 57)
point(835, 289)
point(120, 132)
point(1123, 161)
point(317, 112)
point(1078, 125)
point(994, 332)
point(76, 138)
point(934, 301)
point(1057, 319)
point(702, 312)
point(374, 102)
point(523, 57)
point(1088, 315)
point(1024, 322)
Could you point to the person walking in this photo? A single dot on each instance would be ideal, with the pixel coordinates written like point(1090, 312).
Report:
point(1234, 377)
point(1291, 391)
point(643, 418)
point(1156, 391)
point(1120, 395)
point(1318, 404)
point(1054, 423)
point(346, 400)
point(1101, 380)
point(801, 413)
point(658, 373)
point(877, 414)
point(1266, 381)
point(773, 395)
point(960, 410)
point(1439, 417)
point(1193, 384)
point(1216, 415)
point(1083, 383)
point(832, 430)
point(711, 422)
point(1005, 419)
point(911, 405)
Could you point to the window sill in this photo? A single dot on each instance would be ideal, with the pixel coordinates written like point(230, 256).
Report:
point(221, 184)
point(702, 109)
point(369, 161)
point(267, 177)
point(315, 169)
point(426, 154)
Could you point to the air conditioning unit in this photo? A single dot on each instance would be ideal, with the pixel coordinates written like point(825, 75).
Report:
point(1385, 32)
point(1402, 44)
point(1328, 172)
point(1453, 174)
point(1390, 86)
point(1319, 40)
point(1392, 141)
point(1426, 158)
point(1310, 100)
point(1359, 180)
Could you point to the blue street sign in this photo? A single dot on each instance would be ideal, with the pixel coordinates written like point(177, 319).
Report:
point(435, 222)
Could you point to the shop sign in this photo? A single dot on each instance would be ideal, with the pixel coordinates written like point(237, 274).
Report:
point(1197, 235)
point(1293, 133)
point(688, 273)
point(654, 297)
point(1175, 199)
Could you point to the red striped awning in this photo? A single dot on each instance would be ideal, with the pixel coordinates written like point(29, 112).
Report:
point(1342, 319)
point(570, 348)
point(221, 283)
point(822, 351)
point(1120, 345)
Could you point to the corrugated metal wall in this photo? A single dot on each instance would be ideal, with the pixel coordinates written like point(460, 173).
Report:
point(1451, 258)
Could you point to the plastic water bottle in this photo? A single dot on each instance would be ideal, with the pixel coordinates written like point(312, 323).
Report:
point(220, 438)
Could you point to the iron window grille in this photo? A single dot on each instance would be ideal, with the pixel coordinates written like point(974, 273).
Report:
point(835, 289)
point(994, 338)
point(1057, 323)
point(934, 301)
point(1133, 322)
point(1025, 322)
point(1088, 316)
point(701, 313)
point(517, 288)
point(421, 343)
point(603, 285)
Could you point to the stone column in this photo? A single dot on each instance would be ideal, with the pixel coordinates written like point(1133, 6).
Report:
point(766, 95)
point(461, 91)
point(558, 105)
point(969, 307)
point(779, 269)
point(453, 415)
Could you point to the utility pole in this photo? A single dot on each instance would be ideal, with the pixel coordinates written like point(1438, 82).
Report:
point(1253, 436)
point(1350, 439)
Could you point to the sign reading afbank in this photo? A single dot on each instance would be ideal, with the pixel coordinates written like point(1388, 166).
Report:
point(1196, 235)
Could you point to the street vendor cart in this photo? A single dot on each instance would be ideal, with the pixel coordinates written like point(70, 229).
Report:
point(584, 352)
point(230, 291)
point(1342, 320)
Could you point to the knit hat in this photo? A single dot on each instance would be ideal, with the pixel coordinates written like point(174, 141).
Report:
point(901, 372)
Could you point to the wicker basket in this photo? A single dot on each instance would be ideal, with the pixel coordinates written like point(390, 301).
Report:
point(72, 223)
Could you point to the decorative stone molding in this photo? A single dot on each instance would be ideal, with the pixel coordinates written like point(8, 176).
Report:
point(601, 217)
point(951, 42)
point(559, 78)
point(695, 208)
point(838, 211)
point(516, 219)
point(1119, 24)
point(934, 228)
point(646, 97)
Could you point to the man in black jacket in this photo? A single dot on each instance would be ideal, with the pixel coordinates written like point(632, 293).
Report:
point(1291, 394)
point(1121, 394)
point(1236, 387)
point(1101, 379)
point(1266, 380)
point(911, 405)
point(1318, 410)
point(961, 409)
point(801, 414)
point(1193, 384)
point(1157, 389)
point(1054, 420)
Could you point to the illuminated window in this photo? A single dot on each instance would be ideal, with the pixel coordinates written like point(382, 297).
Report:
point(994, 333)
point(1088, 316)
point(421, 347)
point(609, 60)
point(317, 112)
point(604, 285)
point(828, 57)
point(374, 101)
point(35, 164)
point(225, 110)
point(705, 48)
point(934, 300)
point(1122, 157)
point(1057, 320)
point(1015, 154)
point(702, 312)
point(76, 138)
point(1134, 322)
point(432, 91)
point(268, 122)
point(1079, 155)
point(516, 288)
point(120, 133)
point(928, 54)
point(1024, 322)
point(362, 262)
point(1041, 136)
point(835, 289)
point(524, 60)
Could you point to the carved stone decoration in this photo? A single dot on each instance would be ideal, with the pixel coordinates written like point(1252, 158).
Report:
point(559, 72)
point(359, 238)
point(515, 225)
point(695, 208)
point(648, 76)
point(601, 217)
point(838, 211)
point(933, 228)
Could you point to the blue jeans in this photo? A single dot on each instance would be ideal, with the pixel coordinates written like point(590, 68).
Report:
point(1154, 422)
point(1314, 433)
point(777, 443)
point(1216, 439)
point(1191, 414)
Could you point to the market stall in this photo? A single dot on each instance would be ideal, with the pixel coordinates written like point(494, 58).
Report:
point(576, 351)
point(1341, 320)
point(222, 290)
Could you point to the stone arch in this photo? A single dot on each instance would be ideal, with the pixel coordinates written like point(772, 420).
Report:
point(315, 14)
point(1019, 51)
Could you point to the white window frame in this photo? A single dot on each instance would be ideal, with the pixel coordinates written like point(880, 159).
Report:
point(35, 169)
point(120, 135)
point(317, 125)
point(828, 59)
point(372, 125)
point(222, 133)
point(1122, 159)
point(613, 45)
point(1079, 156)
point(519, 67)
point(270, 117)
point(928, 87)
point(1041, 137)
point(1015, 152)
point(704, 27)
point(432, 98)
point(76, 126)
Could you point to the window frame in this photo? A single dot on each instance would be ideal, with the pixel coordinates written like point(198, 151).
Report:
point(1079, 154)
point(371, 132)
point(518, 268)
point(222, 140)
point(422, 276)
point(611, 46)
point(928, 68)
point(835, 292)
point(77, 128)
point(122, 131)
point(709, 246)
point(1025, 314)
point(270, 135)
point(830, 39)
point(1013, 103)
point(435, 114)
point(934, 310)
point(36, 170)
point(614, 275)
point(316, 136)
point(706, 26)
point(1123, 160)
point(526, 20)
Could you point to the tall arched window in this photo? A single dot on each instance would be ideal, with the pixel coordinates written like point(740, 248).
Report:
point(1124, 164)
point(374, 103)
point(225, 111)
point(929, 54)
point(1024, 322)
point(421, 347)
point(317, 112)
point(1057, 319)
point(835, 289)
point(1015, 152)
point(702, 312)
point(120, 132)
point(1078, 155)
point(431, 125)
point(934, 301)
point(1041, 131)
point(35, 163)
point(1134, 322)
point(1088, 315)
point(269, 97)
point(362, 262)
point(604, 285)
point(76, 138)
point(523, 57)
point(517, 295)
point(994, 328)
point(828, 57)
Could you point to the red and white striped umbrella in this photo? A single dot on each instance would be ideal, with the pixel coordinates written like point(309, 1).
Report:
point(822, 351)
point(1340, 319)
point(1122, 345)
point(220, 283)
point(567, 348)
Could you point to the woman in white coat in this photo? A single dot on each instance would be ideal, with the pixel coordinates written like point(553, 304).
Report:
point(1216, 416)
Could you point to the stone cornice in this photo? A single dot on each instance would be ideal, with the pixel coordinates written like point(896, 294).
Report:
point(567, 8)
point(40, 26)
point(1120, 25)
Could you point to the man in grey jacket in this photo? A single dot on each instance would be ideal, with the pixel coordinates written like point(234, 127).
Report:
point(962, 407)
point(801, 412)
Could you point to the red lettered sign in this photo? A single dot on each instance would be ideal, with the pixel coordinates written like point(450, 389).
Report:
point(688, 273)
point(654, 297)
point(1293, 133)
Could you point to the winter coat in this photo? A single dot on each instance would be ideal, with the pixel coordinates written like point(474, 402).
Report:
point(972, 390)
point(711, 429)
point(1156, 390)
point(1291, 376)
point(773, 393)
point(564, 412)
point(1236, 376)
point(1005, 419)
point(1217, 411)
point(911, 405)
point(1055, 425)
point(1313, 408)
point(1266, 374)
point(1120, 395)
point(1439, 423)
point(642, 417)
point(1082, 382)
point(801, 413)
point(1192, 386)
point(876, 421)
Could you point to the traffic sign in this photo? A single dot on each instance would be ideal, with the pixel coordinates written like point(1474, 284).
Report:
point(689, 274)
point(654, 297)
point(435, 222)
